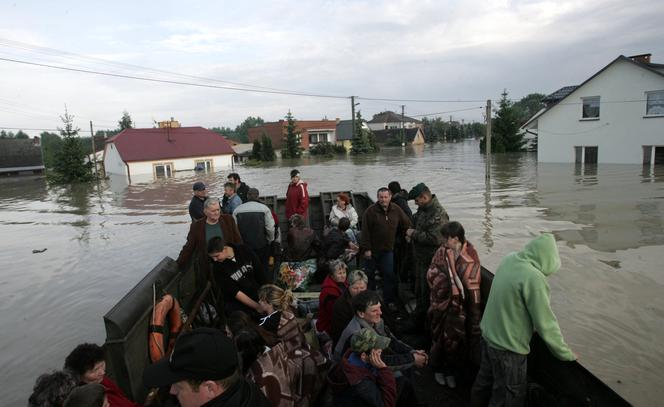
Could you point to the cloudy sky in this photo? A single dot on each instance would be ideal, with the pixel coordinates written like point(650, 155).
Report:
point(403, 51)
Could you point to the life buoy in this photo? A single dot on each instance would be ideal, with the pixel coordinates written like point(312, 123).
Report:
point(166, 307)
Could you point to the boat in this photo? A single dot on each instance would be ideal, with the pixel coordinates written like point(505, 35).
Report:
point(126, 325)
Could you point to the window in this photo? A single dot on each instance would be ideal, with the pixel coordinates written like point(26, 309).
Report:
point(203, 165)
point(590, 108)
point(585, 154)
point(163, 169)
point(315, 138)
point(655, 103)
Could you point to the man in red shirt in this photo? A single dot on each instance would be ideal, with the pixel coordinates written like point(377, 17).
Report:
point(297, 197)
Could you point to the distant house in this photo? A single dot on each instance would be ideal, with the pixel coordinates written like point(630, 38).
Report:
point(390, 120)
point(344, 133)
point(162, 151)
point(393, 136)
point(21, 156)
point(311, 132)
point(615, 116)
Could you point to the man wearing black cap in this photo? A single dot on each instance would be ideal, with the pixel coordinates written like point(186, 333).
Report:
point(196, 204)
point(204, 370)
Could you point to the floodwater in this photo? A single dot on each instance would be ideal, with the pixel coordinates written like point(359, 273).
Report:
point(101, 240)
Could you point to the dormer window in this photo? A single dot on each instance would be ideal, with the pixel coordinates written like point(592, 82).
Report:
point(590, 110)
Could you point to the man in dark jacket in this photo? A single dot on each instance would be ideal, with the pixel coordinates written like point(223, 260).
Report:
point(370, 382)
point(204, 370)
point(241, 188)
point(196, 204)
point(200, 232)
point(256, 225)
point(427, 238)
point(402, 253)
point(380, 223)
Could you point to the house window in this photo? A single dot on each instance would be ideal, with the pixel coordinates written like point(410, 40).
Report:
point(203, 165)
point(653, 155)
point(163, 169)
point(590, 108)
point(655, 103)
point(315, 138)
point(585, 154)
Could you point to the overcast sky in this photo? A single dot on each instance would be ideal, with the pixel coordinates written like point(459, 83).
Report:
point(438, 50)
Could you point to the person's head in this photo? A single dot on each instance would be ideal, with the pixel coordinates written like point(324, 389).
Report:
point(454, 236)
point(357, 282)
point(51, 389)
point(200, 190)
point(250, 345)
point(367, 306)
point(384, 197)
point(252, 194)
point(229, 189)
point(212, 209)
point(343, 200)
point(234, 177)
point(338, 271)
point(274, 298)
point(295, 176)
point(421, 194)
point(86, 362)
point(217, 249)
point(297, 221)
point(365, 340)
point(88, 395)
point(394, 187)
point(344, 224)
point(203, 365)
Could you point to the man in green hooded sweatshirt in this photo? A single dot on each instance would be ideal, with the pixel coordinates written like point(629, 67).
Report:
point(518, 305)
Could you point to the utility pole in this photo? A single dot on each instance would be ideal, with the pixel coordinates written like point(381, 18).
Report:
point(488, 139)
point(94, 150)
point(403, 134)
point(352, 110)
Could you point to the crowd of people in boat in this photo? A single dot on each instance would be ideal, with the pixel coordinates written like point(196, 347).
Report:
point(265, 348)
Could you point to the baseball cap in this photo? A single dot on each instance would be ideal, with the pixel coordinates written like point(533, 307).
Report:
point(416, 191)
point(367, 339)
point(199, 186)
point(200, 354)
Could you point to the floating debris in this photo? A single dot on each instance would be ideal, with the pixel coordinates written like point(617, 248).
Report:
point(35, 251)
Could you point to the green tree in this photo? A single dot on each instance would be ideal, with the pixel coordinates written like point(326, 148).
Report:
point(360, 141)
point(293, 149)
point(69, 165)
point(51, 145)
point(267, 151)
point(227, 132)
point(242, 130)
point(125, 122)
point(505, 135)
point(21, 135)
point(528, 106)
point(256, 151)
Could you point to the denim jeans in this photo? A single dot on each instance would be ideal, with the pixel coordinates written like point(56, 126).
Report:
point(501, 380)
point(384, 261)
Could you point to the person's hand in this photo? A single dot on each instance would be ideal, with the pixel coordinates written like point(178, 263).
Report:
point(409, 232)
point(375, 359)
point(420, 359)
point(367, 254)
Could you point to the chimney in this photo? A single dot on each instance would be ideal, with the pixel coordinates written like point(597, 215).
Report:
point(641, 58)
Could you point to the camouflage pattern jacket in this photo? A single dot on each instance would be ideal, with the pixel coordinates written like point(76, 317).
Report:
point(428, 221)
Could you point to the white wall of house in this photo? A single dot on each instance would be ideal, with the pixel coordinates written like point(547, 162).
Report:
point(621, 130)
point(391, 125)
point(113, 164)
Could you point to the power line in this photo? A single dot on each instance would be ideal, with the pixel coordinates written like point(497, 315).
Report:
point(449, 111)
point(421, 100)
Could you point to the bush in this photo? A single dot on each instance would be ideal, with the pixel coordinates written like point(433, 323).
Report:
point(327, 149)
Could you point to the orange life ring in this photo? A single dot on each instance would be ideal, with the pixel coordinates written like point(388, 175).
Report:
point(166, 307)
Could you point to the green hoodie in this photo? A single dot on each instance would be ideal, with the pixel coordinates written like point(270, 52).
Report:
point(519, 302)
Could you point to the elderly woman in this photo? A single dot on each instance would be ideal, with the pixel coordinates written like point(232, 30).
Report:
point(86, 363)
point(332, 289)
point(342, 312)
point(343, 209)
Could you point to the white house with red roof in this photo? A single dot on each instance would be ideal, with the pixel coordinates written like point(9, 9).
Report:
point(162, 151)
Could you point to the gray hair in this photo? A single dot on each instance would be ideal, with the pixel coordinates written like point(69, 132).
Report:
point(357, 275)
point(211, 201)
point(334, 265)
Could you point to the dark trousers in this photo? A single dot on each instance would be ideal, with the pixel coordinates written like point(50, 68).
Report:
point(501, 380)
point(264, 255)
point(384, 261)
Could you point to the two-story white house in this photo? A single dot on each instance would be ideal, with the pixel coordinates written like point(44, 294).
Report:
point(390, 120)
point(615, 116)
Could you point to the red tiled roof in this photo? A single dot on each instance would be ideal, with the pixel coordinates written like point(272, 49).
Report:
point(158, 144)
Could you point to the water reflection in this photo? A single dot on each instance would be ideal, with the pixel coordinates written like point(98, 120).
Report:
point(652, 173)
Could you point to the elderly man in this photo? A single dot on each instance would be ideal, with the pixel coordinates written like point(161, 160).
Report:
point(204, 370)
point(196, 204)
point(380, 223)
point(519, 304)
point(256, 224)
point(426, 238)
point(200, 233)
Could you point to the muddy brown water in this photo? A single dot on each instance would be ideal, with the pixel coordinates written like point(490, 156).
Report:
point(101, 240)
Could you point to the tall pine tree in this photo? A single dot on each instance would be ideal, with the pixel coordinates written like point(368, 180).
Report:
point(505, 136)
point(267, 151)
point(293, 149)
point(360, 141)
point(70, 165)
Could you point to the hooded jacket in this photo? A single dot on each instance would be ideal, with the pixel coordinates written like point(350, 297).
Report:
point(330, 292)
point(297, 199)
point(519, 302)
point(367, 386)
